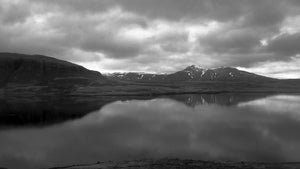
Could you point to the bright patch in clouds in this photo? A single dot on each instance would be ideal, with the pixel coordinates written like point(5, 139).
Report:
point(196, 31)
point(279, 69)
point(291, 25)
point(136, 32)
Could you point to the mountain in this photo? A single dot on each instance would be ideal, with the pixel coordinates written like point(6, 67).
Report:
point(192, 73)
point(196, 73)
point(134, 76)
point(41, 76)
point(38, 69)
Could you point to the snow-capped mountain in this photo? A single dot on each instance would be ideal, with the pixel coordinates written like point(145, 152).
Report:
point(192, 73)
point(197, 73)
point(133, 76)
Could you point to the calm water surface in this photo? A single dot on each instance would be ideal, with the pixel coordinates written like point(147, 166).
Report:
point(207, 127)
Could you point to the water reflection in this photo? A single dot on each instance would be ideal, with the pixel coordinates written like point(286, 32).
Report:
point(278, 104)
point(44, 111)
point(162, 127)
point(226, 99)
point(23, 111)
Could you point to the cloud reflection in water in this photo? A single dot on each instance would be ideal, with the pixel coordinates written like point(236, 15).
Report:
point(260, 130)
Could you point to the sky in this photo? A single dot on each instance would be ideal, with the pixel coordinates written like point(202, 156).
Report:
point(162, 36)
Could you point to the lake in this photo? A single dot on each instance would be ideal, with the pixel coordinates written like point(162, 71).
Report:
point(235, 127)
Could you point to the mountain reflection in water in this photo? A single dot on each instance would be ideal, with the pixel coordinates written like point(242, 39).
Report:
point(18, 111)
point(224, 127)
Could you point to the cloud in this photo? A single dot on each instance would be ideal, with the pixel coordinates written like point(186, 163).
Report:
point(231, 41)
point(13, 13)
point(153, 35)
point(285, 44)
point(189, 9)
point(79, 6)
point(267, 13)
point(56, 33)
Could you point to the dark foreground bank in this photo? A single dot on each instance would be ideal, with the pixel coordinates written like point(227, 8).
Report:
point(181, 164)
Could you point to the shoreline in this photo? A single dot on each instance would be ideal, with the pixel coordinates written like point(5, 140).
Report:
point(39, 91)
point(145, 89)
point(182, 164)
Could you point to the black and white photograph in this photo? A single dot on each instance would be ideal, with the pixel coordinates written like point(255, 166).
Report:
point(149, 84)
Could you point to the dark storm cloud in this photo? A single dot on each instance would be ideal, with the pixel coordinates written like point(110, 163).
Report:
point(150, 34)
point(89, 6)
point(111, 46)
point(177, 9)
point(286, 45)
point(265, 13)
point(232, 41)
point(14, 14)
point(235, 45)
point(256, 11)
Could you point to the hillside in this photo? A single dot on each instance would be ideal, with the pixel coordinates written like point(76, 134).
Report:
point(38, 69)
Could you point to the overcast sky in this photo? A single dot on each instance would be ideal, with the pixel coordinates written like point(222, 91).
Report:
point(262, 36)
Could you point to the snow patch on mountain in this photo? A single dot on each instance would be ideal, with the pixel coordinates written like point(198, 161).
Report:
point(203, 72)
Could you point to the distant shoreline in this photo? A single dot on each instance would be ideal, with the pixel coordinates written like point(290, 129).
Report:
point(182, 164)
point(206, 92)
point(141, 90)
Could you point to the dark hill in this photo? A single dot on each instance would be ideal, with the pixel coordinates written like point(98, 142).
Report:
point(20, 68)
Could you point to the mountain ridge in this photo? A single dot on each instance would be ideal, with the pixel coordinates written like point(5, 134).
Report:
point(191, 73)
point(38, 75)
